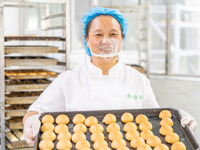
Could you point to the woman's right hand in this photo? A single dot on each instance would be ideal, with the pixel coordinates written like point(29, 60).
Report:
point(31, 128)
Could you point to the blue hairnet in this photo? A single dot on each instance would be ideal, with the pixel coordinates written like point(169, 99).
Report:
point(96, 11)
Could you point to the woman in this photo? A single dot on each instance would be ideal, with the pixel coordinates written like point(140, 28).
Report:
point(104, 83)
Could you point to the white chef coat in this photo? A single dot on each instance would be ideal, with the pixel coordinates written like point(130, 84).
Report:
point(85, 88)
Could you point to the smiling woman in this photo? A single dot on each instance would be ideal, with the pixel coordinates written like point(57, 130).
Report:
point(104, 83)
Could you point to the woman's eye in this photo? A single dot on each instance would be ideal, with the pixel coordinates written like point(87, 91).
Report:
point(98, 34)
point(113, 34)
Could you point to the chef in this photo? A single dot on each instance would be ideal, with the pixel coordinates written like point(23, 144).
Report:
point(104, 83)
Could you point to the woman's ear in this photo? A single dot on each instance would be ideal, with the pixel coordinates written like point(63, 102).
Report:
point(86, 39)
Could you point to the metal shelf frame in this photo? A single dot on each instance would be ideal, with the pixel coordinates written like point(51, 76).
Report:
point(67, 34)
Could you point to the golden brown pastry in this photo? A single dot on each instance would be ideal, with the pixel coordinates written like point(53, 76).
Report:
point(46, 144)
point(136, 141)
point(153, 141)
point(96, 127)
point(109, 118)
point(127, 117)
point(117, 143)
point(62, 119)
point(79, 118)
point(131, 134)
point(145, 125)
point(166, 121)
point(85, 148)
point(78, 136)
point(60, 128)
point(165, 113)
point(80, 127)
point(129, 126)
point(49, 135)
point(144, 147)
point(90, 121)
point(161, 147)
point(97, 135)
point(171, 138)
point(140, 118)
point(112, 127)
point(165, 129)
point(82, 143)
point(146, 133)
point(47, 127)
point(100, 144)
point(47, 118)
point(64, 144)
point(115, 135)
point(123, 147)
point(178, 146)
point(104, 148)
point(64, 135)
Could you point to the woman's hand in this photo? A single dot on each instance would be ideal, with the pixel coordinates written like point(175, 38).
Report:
point(31, 128)
point(187, 119)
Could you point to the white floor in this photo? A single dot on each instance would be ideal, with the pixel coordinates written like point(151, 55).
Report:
point(179, 94)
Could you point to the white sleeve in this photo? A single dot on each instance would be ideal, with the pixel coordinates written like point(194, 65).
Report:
point(51, 100)
point(149, 100)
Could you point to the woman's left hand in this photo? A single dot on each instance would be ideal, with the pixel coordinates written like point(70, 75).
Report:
point(187, 119)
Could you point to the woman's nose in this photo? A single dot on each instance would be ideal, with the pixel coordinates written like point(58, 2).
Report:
point(106, 40)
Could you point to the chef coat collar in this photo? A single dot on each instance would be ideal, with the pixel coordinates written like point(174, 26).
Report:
point(97, 71)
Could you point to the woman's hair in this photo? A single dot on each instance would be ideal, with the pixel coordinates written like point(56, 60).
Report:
point(89, 24)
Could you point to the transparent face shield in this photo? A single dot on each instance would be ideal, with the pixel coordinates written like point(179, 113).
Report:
point(108, 48)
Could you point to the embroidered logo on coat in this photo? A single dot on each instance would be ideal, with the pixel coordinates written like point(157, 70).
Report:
point(134, 96)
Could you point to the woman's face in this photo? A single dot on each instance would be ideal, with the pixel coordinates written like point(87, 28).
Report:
point(104, 35)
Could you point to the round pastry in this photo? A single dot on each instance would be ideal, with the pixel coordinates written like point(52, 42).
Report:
point(80, 127)
point(145, 125)
point(86, 148)
point(131, 134)
point(136, 141)
point(100, 144)
point(60, 128)
point(146, 133)
point(129, 126)
point(49, 135)
point(104, 148)
point(64, 135)
point(112, 127)
point(140, 118)
point(144, 147)
point(47, 127)
point(78, 118)
point(115, 135)
point(96, 127)
point(123, 147)
point(153, 141)
point(166, 121)
point(109, 118)
point(47, 118)
point(171, 138)
point(97, 135)
point(82, 143)
point(78, 136)
point(64, 144)
point(165, 129)
point(165, 113)
point(62, 119)
point(127, 117)
point(178, 146)
point(161, 147)
point(46, 144)
point(117, 143)
point(90, 121)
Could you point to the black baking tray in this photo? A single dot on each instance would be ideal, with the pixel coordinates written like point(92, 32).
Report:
point(185, 134)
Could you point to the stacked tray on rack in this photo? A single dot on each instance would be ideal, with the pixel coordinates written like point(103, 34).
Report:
point(185, 136)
